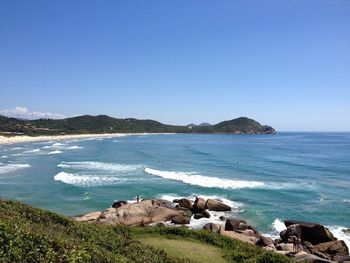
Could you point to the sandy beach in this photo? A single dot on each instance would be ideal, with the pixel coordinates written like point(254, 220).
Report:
point(25, 138)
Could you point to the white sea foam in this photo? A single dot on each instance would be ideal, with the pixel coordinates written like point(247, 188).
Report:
point(15, 148)
point(47, 147)
point(12, 167)
point(4, 156)
point(55, 152)
point(99, 166)
point(58, 144)
point(204, 181)
point(86, 180)
point(32, 151)
point(214, 216)
point(278, 225)
point(74, 147)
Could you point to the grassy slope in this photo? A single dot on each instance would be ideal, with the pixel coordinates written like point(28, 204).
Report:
point(191, 250)
point(34, 235)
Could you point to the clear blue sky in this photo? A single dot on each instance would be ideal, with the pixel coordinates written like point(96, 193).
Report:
point(283, 63)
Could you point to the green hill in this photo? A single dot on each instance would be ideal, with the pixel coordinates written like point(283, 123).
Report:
point(105, 124)
point(30, 234)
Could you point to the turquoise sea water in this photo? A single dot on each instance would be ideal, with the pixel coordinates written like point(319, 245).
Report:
point(266, 178)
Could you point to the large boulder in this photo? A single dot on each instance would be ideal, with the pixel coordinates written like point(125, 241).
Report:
point(307, 258)
point(312, 232)
point(237, 236)
point(181, 220)
point(214, 205)
point(292, 230)
point(212, 227)
point(139, 214)
point(333, 248)
point(184, 202)
point(265, 241)
point(90, 217)
point(199, 205)
point(204, 214)
point(235, 224)
point(239, 224)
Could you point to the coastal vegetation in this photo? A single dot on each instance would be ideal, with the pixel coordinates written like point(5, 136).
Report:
point(30, 234)
point(87, 124)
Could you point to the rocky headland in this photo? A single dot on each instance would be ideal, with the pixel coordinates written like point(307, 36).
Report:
point(303, 241)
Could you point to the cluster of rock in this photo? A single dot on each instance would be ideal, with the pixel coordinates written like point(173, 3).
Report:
point(317, 244)
point(155, 211)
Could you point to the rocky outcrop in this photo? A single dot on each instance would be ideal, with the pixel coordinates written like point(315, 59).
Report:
point(199, 205)
point(333, 248)
point(204, 214)
point(317, 244)
point(237, 236)
point(184, 202)
point(212, 227)
point(292, 230)
point(238, 224)
point(90, 217)
point(214, 205)
point(181, 220)
point(312, 232)
point(137, 214)
point(157, 202)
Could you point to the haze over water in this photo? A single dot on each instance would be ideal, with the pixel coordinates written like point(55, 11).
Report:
point(265, 178)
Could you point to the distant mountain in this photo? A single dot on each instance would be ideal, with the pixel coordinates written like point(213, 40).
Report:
point(106, 124)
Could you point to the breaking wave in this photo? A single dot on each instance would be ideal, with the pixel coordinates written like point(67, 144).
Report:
point(74, 147)
point(86, 180)
point(54, 152)
point(58, 144)
point(204, 181)
point(99, 166)
point(11, 167)
point(32, 151)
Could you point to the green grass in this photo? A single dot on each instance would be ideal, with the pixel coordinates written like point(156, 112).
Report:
point(232, 250)
point(188, 250)
point(30, 234)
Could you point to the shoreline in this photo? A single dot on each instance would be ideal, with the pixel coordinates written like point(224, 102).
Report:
point(25, 138)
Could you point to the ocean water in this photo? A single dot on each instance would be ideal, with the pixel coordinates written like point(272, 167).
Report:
point(265, 178)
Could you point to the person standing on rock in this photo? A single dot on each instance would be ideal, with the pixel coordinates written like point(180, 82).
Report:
point(138, 199)
point(298, 244)
point(295, 243)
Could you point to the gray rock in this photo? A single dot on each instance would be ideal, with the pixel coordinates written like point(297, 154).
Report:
point(212, 227)
point(312, 232)
point(181, 220)
point(214, 205)
point(292, 230)
point(199, 205)
point(184, 202)
point(333, 248)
